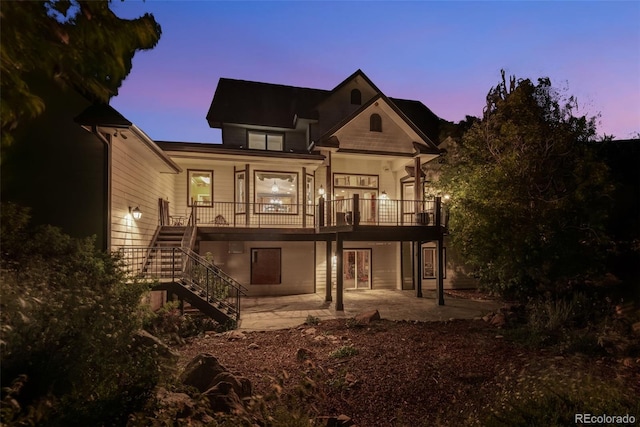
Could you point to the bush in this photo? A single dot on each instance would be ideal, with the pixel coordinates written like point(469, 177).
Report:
point(68, 323)
point(554, 398)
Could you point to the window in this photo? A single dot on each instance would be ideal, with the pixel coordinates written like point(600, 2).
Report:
point(362, 181)
point(275, 192)
point(356, 97)
point(429, 261)
point(200, 188)
point(266, 266)
point(309, 194)
point(265, 141)
point(375, 123)
point(241, 197)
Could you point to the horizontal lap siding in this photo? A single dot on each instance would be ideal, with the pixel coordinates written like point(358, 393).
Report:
point(458, 275)
point(297, 266)
point(135, 183)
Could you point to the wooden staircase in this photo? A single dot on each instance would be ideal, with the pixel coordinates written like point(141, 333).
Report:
point(180, 271)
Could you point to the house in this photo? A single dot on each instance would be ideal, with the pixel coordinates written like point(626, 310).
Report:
point(311, 191)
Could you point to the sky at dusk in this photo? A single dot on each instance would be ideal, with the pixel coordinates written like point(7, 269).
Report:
point(445, 54)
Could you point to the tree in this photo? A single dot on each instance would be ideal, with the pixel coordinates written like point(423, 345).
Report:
point(529, 193)
point(73, 42)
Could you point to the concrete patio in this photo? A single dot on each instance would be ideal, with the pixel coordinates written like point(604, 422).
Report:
point(272, 313)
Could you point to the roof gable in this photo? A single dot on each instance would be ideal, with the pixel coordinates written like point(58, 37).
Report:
point(262, 104)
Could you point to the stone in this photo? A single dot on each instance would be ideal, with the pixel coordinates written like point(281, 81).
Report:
point(235, 335)
point(241, 385)
point(223, 398)
point(303, 354)
point(367, 317)
point(498, 320)
point(309, 331)
point(344, 420)
point(488, 317)
point(180, 403)
point(144, 339)
point(253, 346)
point(201, 371)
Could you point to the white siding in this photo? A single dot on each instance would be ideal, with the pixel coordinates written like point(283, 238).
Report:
point(297, 266)
point(135, 182)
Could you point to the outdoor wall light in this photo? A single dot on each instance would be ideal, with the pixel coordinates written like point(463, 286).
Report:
point(321, 191)
point(136, 213)
point(447, 197)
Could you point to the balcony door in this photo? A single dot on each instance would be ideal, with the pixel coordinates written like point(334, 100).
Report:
point(356, 268)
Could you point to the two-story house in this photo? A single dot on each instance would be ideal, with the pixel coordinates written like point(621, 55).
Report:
point(310, 191)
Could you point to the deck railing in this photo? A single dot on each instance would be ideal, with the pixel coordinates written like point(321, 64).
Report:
point(382, 212)
point(354, 211)
point(173, 264)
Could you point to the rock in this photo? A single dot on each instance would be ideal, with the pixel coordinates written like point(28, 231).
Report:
point(179, 403)
point(487, 317)
point(201, 371)
point(253, 346)
point(303, 354)
point(235, 335)
point(344, 420)
point(367, 317)
point(309, 331)
point(223, 398)
point(333, 421)
point(241, 385)
point(498, 320)
point(145, 343)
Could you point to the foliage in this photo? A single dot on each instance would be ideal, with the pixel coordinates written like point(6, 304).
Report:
point(529, 194)
point(78, 43)
point(312, 320)
point(344, 351)
point(69, 354)
point(553, 397)
point(172, 326)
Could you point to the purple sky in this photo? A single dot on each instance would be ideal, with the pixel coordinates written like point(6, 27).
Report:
point(445, 54)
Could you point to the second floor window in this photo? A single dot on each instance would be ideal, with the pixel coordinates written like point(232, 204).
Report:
point(265, 141)
point(200, 188)
point(375, 123)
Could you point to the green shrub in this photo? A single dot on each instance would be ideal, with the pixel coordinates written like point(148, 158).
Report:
point(312, 320)
point(68, 318)
point(553, 399)
point(344, 351)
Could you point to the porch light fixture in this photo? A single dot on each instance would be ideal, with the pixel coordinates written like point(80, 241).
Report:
point(136, 213)
point(384, 196)
point(321, 191)
point(274, 187)
point(447, 197)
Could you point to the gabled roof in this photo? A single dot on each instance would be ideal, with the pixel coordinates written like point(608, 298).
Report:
point(266, 104)
point(102, 115)
point(413, 107)
point(262, 104)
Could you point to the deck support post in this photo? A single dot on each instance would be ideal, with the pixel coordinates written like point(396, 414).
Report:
point(339, 284)
point(440, 254)
point(417, 267)
point(328, 283)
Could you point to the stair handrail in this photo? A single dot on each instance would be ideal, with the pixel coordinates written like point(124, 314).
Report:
point(217, 270)
point(234, 289)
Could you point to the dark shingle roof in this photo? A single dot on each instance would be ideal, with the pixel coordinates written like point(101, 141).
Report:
point(266, 104)
point(263, 104)
point(102, 115)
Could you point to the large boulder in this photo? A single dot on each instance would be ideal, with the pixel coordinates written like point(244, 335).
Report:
point(241, 385)
point(367, 317)
point(223, 398)
point(201, 372)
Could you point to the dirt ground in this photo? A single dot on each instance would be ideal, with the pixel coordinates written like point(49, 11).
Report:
point(389, 373)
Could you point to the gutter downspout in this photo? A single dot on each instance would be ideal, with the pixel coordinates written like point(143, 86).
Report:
point(107, 184)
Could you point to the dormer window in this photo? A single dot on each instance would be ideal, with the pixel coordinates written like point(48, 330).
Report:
point(265, 141)
point(375, 123)
point(356, 97)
